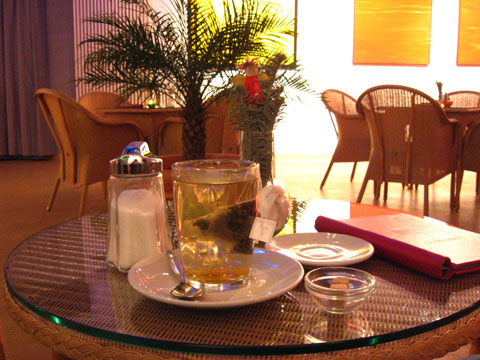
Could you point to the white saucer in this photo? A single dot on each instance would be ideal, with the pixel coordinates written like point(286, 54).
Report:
point(322, 249)
point(272, 275)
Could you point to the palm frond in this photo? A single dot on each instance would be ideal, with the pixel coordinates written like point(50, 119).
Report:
point(182, 52)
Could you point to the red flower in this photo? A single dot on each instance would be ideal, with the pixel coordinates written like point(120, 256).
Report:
point(252, 85)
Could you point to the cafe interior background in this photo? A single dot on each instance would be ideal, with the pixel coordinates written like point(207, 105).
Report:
point(325, 50)
point(328, 36)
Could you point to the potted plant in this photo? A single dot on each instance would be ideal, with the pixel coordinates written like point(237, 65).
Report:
point(257, 100)
point(181, 53)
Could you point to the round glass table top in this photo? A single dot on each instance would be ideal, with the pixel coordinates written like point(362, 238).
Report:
point(61, 274)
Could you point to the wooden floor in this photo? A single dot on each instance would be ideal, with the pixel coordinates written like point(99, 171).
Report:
point(26, 186)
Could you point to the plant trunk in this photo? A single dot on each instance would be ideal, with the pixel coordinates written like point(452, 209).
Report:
point(193, 136)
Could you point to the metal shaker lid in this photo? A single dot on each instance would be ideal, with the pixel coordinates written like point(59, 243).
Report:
point(136, 160)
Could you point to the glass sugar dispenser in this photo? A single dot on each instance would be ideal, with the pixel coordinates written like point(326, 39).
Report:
point(137, 209)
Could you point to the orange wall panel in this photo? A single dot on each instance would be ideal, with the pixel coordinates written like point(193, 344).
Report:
point(392, 32)
point(469, 33)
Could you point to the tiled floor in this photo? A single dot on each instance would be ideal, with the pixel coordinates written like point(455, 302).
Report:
point(26, 186)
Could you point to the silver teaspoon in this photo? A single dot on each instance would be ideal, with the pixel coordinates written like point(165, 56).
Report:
point(182, 290)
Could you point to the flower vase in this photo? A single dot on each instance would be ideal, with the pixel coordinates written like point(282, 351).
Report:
point(274, 203)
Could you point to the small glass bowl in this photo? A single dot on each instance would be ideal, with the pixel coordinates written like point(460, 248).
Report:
point(339, 290)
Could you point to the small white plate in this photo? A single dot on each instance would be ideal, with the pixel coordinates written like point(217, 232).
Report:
point(272, 275)
point(322, 249)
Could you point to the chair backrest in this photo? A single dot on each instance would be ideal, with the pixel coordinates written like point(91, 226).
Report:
point(339, 102)
point(85, 141)
point(221, 138)
point(352, 130)
point(412, 138)
point(53, 104)
point(465, 98)
point(101, 99)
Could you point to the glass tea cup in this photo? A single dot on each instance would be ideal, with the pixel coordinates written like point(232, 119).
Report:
point(215, 207)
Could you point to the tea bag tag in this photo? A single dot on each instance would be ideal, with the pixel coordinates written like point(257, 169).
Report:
point(262, 229)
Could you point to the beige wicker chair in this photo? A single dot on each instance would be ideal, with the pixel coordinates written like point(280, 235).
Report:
point(352, 131)
point(465, 98)
point(86, 142)
point(221, 138)
point(101, 99)
point(222, 141)
point(413, 141)
point(470, 157)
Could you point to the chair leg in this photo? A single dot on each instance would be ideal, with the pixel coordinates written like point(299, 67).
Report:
point(104, 189)
point(83, 200)
point(377, 185)
point(362, 190)
point(385, 191)
point(458, 184)
point(425, 200)
point(326, 175)
point(477, 184)
point(453, 194)
point(353, 171)
point(457, 188)
point(54, 193)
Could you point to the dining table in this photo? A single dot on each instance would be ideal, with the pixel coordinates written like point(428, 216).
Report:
point(464, 115)
point(151, 121)
point(59, 288)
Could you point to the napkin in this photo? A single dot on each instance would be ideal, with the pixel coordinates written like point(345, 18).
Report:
point(413, 257)
point(275, 204)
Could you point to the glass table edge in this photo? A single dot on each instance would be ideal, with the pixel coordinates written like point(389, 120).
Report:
point(166, 345)
point(208, 349)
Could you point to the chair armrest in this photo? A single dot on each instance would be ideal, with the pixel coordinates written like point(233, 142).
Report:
point(471, 129)
point(110, 122)
point(453, 120)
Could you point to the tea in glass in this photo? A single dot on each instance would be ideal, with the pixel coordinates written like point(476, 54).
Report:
point(216, 205)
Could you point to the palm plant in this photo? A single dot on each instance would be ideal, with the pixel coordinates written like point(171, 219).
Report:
point(182, 53)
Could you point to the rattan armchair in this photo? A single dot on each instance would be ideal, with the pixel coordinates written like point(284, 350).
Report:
point(413, 141)
point(222, 140)
point(465, 98)
point(352, 131)
point(86, 142)
point(470, 157)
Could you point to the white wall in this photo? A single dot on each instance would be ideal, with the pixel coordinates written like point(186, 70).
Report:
point(325, 45)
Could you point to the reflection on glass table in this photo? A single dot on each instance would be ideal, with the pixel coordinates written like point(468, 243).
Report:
point(57, 280)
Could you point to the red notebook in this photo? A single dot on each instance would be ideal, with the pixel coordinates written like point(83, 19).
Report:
point(427, 246)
